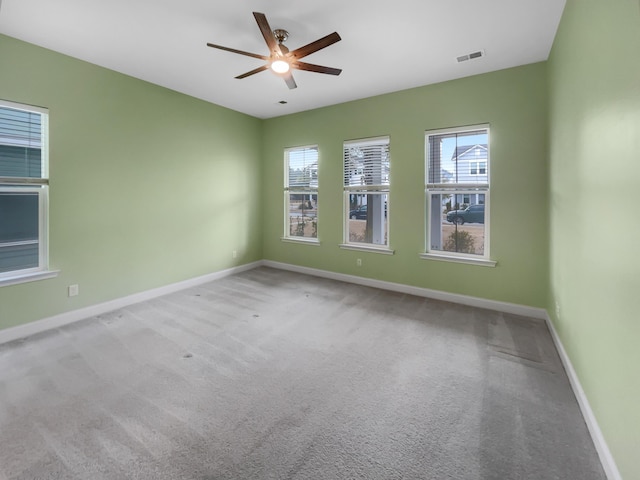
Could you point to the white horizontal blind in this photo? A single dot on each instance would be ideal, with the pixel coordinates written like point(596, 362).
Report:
point(366, 163)
point(21, 143)
point(302, 164)
point(458, 159)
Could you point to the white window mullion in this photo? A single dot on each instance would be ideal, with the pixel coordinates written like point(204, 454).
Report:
point(301, 186)
point(23, 192)
point(457, 193)
point(366, 166)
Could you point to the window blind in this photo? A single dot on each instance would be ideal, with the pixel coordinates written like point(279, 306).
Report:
point(303, 167)
point(366, 163)
point(21, 136)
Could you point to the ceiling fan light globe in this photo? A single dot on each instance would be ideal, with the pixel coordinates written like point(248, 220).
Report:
point(280, 66)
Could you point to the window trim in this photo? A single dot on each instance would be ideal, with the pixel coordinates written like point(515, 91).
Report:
point(459, 189)
point(33, 185)
point(381, 189)
point(367, 247)
point(28, 277)
point(485, 262)
point(287, 237)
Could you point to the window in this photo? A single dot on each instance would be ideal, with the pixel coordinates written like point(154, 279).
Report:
point(457, 191)
point(477, 168)
point(301, 193)
point(23, 191)
point(366, 193)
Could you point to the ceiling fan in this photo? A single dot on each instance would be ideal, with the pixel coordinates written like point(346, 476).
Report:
point(280, 59)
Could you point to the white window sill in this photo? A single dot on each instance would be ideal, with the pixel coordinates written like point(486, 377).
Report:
point(367, 248)
point(484, 262)
point(28, 277)
point(304, 240)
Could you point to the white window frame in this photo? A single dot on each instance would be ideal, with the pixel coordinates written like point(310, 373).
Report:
point(378, 189)
point(288, 190)
point(40, 186)
point(459, 189)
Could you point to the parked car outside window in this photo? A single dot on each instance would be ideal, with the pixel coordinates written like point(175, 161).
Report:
point(358, 213)
point(471, 214)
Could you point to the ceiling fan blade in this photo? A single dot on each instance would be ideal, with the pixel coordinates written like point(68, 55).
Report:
point(288, 78)
point(233, 50)
point(253, 72)
point(315, 46)
point(267, 33)
point(316, 68)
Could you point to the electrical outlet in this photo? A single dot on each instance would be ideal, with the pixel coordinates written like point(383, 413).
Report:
point(73, 290)
point(358, 262)
point(557, 310)
point(234, 254)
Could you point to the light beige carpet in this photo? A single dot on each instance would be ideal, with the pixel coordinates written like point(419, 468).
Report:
point(275, 375)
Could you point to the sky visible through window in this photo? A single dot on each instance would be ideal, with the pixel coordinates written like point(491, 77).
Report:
point(449, 145)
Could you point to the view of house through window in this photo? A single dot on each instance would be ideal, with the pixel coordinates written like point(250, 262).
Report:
point(366, 191)
point(301, 192)
point(23, 189)
point(458, 191)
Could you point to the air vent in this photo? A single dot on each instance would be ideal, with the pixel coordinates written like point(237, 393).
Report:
point(470, 56)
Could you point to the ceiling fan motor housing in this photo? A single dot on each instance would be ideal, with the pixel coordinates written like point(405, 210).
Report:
point(281, 35)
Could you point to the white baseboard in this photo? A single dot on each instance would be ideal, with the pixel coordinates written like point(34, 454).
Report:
point(539, 313)
point(22, 331)
point(56, 321)
point(608, 463)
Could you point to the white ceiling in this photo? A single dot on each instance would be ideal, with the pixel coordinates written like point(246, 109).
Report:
point(386, 45)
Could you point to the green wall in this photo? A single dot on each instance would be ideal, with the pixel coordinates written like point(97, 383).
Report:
point(148, 186)
point(513, 102)
point(594, 79)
